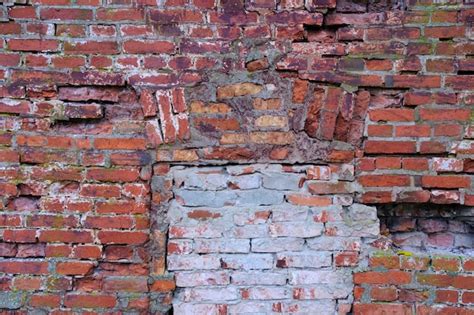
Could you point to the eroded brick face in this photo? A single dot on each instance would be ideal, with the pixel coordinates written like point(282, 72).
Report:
point(226, 157)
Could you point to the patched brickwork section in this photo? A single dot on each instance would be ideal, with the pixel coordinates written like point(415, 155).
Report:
point(264, 238)
point(436, 229)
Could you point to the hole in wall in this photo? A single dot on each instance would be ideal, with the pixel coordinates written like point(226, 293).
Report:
point(428, 228)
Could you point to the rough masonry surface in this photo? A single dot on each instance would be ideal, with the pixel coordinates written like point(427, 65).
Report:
point(236, 156)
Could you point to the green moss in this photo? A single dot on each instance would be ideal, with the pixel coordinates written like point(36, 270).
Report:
point(405, 253)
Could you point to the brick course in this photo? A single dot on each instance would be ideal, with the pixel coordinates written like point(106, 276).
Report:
point(224, 157)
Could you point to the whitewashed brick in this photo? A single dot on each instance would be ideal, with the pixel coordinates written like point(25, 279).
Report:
point(258, 278)
point(254, 308)
point(180, 246)
point(258, 197)
point(321, 307)
point(195, 279)
point(318, 172)
point(190, 262)
point(273, 245)
point(244, 182)
point(197, 198)
point(358, 212)
point(223, 245)
point(334, 243)
point(304, 259)
point(329, 276)
point(249, 231)
point(288, 212)
point(201, 181)
point(202, 230)
point(266, 293)
point(447, 165)
point(257, 216)
point(327, 214)
point(359, 229)
point(191, 308)
point(282, 181)
point(302, 229)
point(247, 262)
point(322, 292)
point(216, 295)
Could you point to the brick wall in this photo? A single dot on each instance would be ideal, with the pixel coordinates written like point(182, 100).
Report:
point(253, 239)
point(232, 156)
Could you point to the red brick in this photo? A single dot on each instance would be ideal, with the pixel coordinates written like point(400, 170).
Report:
point(126, 14)
point(314, 201)
point(379, 309)
point(414, 263)
point(144, 47)
point(413, 81)
point(446, 296)
point(112, 237)
point(377, 197)
point(445, 31)
point(19, 236)
point(62, 236)
point(87, 252)
point(168, 16)
point(432, 147)
point(300, 90)
point(413, 131)
point(383, 294)
point(435, 280)
point(468, 265)
point(448, 130)
point(445, 114)
point(126, 284)
point(468, 297)
point(106, 191)
point(89, 301)
point(446, 181)
point(346, 259)
point(112, 175)
point(45, 300)
point(463, 282)
point(74, 268)
point(389, 277)
point(163, 285)
point(392, 114)
point(65, 14)
point(389, 262)
point(22, 12)
point(384, 180)
point(380, 130)
point(91, 47)
point(119, 144)
point(115, 222)
point(24, 267)
point(390, 147)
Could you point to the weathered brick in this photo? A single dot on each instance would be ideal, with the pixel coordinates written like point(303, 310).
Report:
point(139, 140)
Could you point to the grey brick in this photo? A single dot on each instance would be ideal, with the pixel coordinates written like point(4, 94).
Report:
point(190, 262)
point(273, 245)
point(258, 278)
point(223, 245)
point(282, 181)
point(196, 198)
point(11, 300)
point(304, 259)
point(200, 278)
point(258, 197)
point(247, 262)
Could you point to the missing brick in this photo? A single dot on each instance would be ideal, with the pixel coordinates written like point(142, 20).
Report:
point(427, 228)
